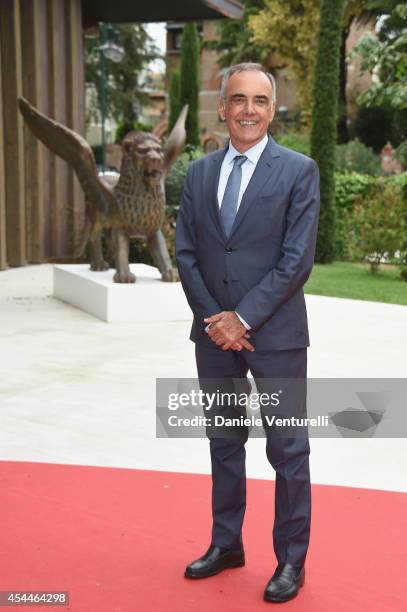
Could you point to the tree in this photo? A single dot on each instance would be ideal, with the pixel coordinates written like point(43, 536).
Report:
point(124, 89)
point(355, 10)
point(288, 29)
point(324, 120)
point(190, 49)
point(385, 57)
point(235, 44)
point(175, 98)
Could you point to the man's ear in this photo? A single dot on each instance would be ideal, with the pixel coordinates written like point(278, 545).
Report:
point(221, 109)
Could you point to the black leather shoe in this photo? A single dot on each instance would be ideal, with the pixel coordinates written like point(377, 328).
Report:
point(285, 583)
point(214, 561)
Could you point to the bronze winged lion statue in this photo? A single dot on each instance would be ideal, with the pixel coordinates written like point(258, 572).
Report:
point(134, 206)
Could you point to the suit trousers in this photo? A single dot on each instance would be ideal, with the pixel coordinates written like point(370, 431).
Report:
point(289, 456)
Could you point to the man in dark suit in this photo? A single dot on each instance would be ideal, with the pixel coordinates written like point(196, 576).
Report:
point(245, 243)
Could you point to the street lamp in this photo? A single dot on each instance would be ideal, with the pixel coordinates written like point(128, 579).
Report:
point(107, 50)
point(112, 51)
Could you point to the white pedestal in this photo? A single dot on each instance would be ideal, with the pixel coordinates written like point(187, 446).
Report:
point(148, 299)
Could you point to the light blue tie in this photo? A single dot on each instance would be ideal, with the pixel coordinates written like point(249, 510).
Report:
point(228, 209)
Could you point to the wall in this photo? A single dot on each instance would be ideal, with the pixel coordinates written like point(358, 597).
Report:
point(41, 58)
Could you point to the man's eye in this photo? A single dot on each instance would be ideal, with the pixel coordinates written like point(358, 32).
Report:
point(261, 102)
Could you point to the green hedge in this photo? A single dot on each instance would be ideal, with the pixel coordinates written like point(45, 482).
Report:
point(176, 177)
point(370, 214)
point(401, 154)
point(295, 140)
point(174, 98)
point(324, 120)
point(173, 191)
point(349, 186)
point(354, 156)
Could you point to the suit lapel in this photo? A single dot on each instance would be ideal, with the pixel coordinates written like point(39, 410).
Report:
point(264, 171)
point(211, 188)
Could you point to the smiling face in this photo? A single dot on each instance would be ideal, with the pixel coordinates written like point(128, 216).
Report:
point(248, 108)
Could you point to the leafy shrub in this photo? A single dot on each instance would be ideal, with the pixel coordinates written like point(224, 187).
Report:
point(401, 181)
point(351, 157)
point(371, 217)
point(355, 156)
point(295, 140)
point(176, 177)
point(348, 187)
point(173, 191)
point(380, 223)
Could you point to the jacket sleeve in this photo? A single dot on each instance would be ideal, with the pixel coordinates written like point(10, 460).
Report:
point(298, 249)
point(200, 300)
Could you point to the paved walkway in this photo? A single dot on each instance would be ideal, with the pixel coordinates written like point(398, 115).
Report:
point(77, 390)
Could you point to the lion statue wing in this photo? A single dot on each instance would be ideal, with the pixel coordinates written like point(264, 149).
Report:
point(175, 142)
point(73, 149)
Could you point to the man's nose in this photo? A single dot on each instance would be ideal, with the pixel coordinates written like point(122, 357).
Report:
point(249, 106)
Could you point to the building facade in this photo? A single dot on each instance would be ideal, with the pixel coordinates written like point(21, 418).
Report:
point(41, 203)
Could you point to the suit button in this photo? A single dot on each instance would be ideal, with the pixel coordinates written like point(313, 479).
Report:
point(229, 250)
point(225, 281)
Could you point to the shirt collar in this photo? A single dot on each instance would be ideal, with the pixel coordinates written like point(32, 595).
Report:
point(252, 154)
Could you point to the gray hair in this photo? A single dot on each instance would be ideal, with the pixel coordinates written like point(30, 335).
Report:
point(242, 68)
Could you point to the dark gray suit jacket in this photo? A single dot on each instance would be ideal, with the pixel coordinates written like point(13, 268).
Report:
point(260, 270)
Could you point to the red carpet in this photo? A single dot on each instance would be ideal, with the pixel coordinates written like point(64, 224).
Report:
point(119, 539)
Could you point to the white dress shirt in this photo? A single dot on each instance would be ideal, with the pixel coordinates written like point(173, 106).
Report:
point(253, 155)
point(249, 166)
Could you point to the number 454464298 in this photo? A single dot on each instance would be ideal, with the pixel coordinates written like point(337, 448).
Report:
point(34, 598)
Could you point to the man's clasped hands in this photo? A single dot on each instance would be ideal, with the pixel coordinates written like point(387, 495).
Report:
point(228, 332)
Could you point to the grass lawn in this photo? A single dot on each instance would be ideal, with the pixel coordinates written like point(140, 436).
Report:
point(354, 281)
